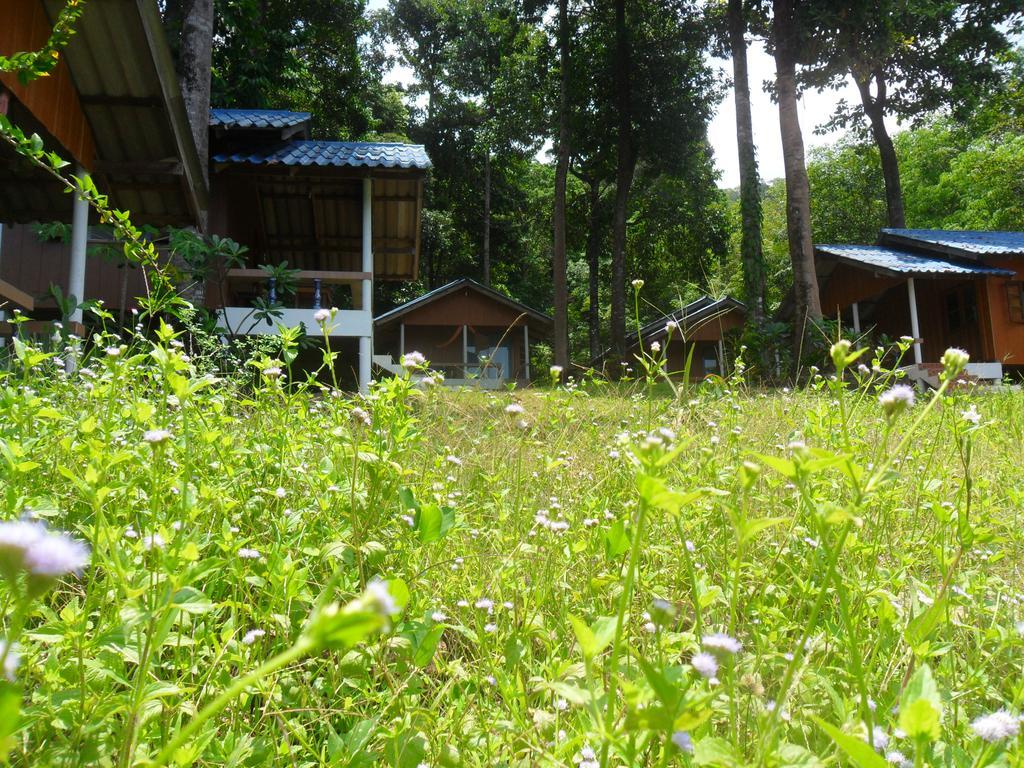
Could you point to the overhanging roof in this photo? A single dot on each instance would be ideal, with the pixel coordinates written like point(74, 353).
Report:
point(692, 315)
point(145, 157)
point(258, 119)
point(965, 242)
point(897, 262)
point(352, 154)
point(465, 282)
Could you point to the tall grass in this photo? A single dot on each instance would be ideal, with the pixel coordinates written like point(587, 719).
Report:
point(848, 570)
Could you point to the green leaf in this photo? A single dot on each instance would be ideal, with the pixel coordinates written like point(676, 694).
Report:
point(10, 715)
point(427, 646)
point(750, 528)
point(428, 522)
point(858, 750)
point(654, 491)
point(715, 751)
point(921, 706)
point(784, 467)
point(616, 540)
point(921, 626)
point(191, 600)
point(586, 638)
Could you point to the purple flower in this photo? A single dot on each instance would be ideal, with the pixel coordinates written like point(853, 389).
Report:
point(28, 546)
point(996, 726)
point(683, 741)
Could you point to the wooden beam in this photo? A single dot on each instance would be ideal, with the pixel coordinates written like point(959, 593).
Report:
point(330, 277)
point(5, 100)
point(16, 295)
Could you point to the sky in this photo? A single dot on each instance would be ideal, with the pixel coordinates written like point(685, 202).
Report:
point(815, 109)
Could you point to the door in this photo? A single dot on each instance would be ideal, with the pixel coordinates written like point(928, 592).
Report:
point(962, 322)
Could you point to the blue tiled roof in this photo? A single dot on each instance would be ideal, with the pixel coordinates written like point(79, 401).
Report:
point(333, 153)
point(968, 241)
point(902, 262)
point(256, 118)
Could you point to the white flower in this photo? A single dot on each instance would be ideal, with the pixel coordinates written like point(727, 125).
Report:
point(379, 594)
point(996, 726)
point(413, 360)
point(280, 493)
point(156, 436)
point(955, 360)
point(898, 759)
point(30, 547)
point(671, 326)
point(704, 664)
point(490, 628)
point(655, 347)
point(484, 604)
point(272, 371)
point(248, 554)
point(683, 741)
point(879, 738)
point(971, 415)
point(555, 371)
point(438, 617)
point(720, 643)
point(155, 541)
point(514, 408)
point(252, 635)
point(11, 661)
point(896, 399)
point(113, 351)
point(638, 284)
point(321, 316)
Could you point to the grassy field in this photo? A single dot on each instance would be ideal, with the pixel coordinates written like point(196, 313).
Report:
point(558, 577)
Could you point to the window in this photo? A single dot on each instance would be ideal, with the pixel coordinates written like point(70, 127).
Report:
point(1015, 300)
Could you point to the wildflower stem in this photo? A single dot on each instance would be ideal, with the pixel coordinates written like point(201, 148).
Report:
point(301, 648)
point(613, 661)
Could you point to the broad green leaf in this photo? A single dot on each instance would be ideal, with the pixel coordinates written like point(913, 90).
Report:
point(920, 720)
point(427, 646)
point(921, 687)
point(586, 638)
point(616, 540)
point(784, 467)
point(715, 751)
point(191, 600)
point(428, 522)
point(858, 750)
point(750, 528)
point(921, 626)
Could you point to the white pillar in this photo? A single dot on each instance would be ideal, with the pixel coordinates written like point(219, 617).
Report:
point(915, 329)
point(526, 352)
point(401, 340)
point(366, 342)
point(465, 350)
point(856, 318)
point(79, 241)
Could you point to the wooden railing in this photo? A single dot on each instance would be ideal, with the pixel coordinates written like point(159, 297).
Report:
point(315, 279)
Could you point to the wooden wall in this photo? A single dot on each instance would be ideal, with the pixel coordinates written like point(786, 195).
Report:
point(52, 100)
point(465, 307)
point(32, 266)
point(1007, 335)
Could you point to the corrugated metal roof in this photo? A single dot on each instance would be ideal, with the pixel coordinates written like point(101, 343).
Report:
point(333, 153)
point(905, 263)
point(969, 241)
point(222, 117)
point(444, 290)
point(692, 314)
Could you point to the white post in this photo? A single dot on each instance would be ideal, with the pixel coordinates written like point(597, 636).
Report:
point(465, 350)
point(526, 352)
point(401, 340)
point(856, 318)
point(915, 329)
point(79, 241)
point(366, 342)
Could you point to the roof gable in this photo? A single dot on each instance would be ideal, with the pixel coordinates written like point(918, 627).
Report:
point(452, 288)
point(258, 119)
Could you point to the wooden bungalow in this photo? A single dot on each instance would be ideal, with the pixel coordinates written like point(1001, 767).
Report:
point(113, 108)
point(341, 213)
point(471, 333)
point(943, 288)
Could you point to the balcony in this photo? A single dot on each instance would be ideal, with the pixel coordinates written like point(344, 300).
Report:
point(312, 290)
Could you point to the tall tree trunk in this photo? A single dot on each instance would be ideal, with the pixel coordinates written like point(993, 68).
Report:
point(594, 232)
point(750, 192)
point(194, 57)
point(874, 108)
point(195, 54)
point(798, 194)
point(487, 219)
point(625, 167)
point(558, 257)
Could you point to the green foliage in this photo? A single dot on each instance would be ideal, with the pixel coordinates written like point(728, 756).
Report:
point(557, 579)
